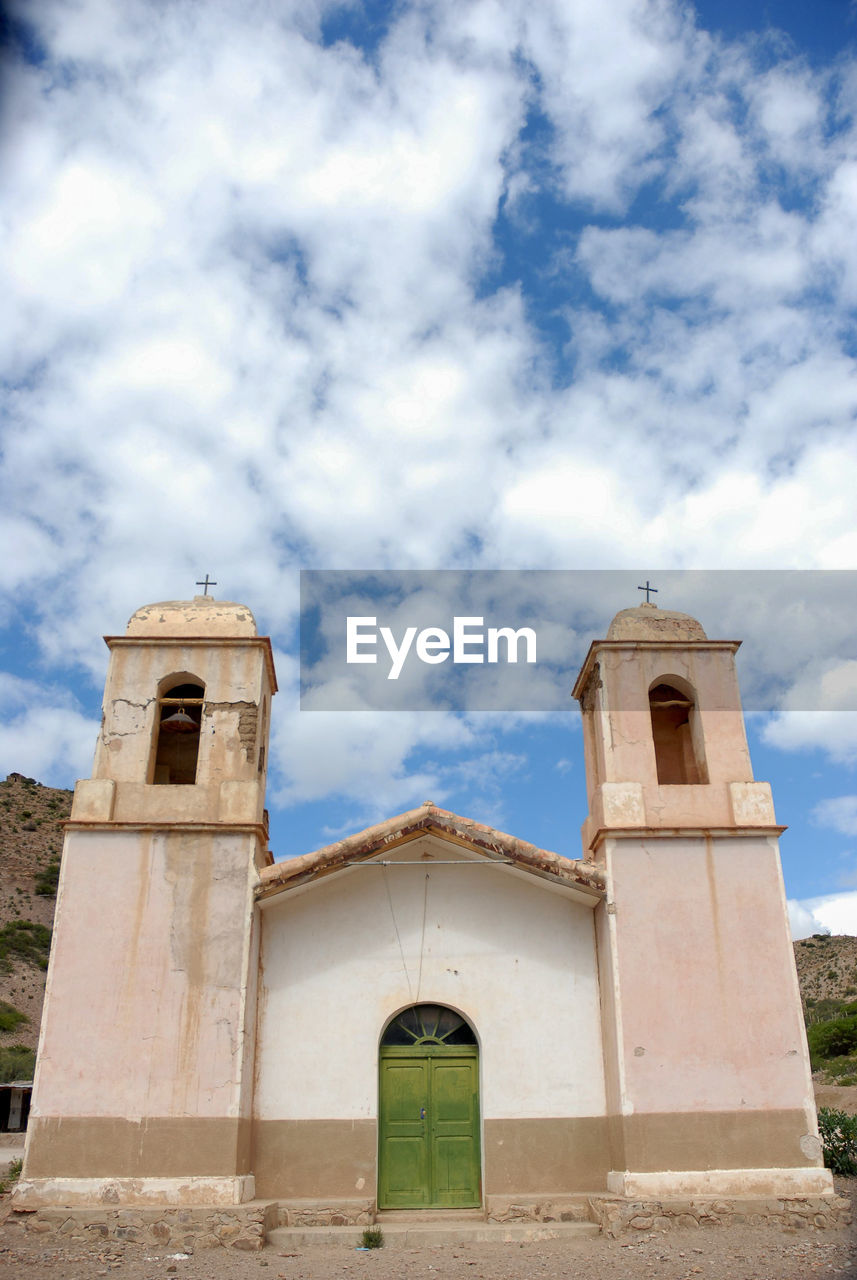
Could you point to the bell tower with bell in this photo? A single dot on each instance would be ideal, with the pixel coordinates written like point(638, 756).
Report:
point(708, 1079)
point(143, 1088)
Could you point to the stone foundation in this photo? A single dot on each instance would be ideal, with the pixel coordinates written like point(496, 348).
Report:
point(336, 1213)
point(243, 1227)
point(539, 1209)
point(616, 1216)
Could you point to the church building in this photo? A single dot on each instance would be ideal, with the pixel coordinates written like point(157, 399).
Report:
point(428, 1014)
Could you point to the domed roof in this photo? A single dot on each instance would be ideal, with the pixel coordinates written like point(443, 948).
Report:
point(648, 622)
point(201, 616)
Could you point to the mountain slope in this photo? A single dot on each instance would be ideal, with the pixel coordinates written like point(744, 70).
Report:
point(827, 971)
point(31, 835)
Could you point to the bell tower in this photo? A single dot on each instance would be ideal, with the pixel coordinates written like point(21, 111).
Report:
point(708, 1079)
point(143, 1087)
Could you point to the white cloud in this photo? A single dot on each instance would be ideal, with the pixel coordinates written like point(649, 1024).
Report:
point(258, 311)
point(79, 244)
point(361, 756)
point(42, 733)
point(834, 732)
point(832, 913)
point(374, 760)
point(802, 921)
point(604, 77)
point(838, 812)
point(820, 710)
point(364, 757)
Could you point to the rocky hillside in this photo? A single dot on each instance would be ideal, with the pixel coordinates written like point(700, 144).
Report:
point(31, 836)
point(827, 972)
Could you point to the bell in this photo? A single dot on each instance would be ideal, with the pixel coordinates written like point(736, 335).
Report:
point(179, 722)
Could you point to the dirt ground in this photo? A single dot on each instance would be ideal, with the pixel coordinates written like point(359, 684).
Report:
point(715, 1253)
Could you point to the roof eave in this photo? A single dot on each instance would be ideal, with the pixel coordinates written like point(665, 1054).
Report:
point(429, 820)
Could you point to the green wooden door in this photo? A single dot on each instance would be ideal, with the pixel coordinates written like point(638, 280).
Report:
point(405, 1180)
point(429, 1128)
point(454, 1141)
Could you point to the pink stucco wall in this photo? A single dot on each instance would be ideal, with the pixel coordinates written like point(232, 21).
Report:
point(710, 1016)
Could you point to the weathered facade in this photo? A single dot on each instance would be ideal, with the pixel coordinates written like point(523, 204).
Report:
point(145, 1066)
point(430, 1013)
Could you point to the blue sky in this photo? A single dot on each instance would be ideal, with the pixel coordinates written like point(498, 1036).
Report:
point(436, 285)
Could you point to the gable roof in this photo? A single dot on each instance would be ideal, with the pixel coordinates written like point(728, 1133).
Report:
point(428, 819)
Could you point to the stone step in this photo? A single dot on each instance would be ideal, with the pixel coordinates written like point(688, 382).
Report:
point(410, 1235)
point(422, 1216)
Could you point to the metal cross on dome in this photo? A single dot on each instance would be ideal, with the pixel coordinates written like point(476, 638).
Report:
point(209, 583)
point(647, 588)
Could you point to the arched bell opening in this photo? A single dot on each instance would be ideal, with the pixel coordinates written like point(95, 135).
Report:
point(429, 1133)
point(176, 749)
point(677, 733)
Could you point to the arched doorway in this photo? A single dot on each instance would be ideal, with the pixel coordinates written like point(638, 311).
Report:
point(428, 1112)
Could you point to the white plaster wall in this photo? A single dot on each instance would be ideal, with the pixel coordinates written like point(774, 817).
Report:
point(512, 954)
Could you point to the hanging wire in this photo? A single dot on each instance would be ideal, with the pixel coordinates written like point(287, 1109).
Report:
point(423, 936)
point(435, 862)
point(398, 938)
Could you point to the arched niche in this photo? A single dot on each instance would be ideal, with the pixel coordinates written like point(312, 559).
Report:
point(677, 732)
point(175, 753)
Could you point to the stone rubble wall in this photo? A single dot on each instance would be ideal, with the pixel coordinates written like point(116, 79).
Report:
point(617, 1216)
point(339, 1213)
point(243, 1227)
point(543, 1210)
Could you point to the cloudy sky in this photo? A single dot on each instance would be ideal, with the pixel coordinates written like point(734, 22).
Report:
point(434, 284)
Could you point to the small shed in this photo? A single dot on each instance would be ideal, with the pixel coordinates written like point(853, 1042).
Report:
point(15, 1105)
